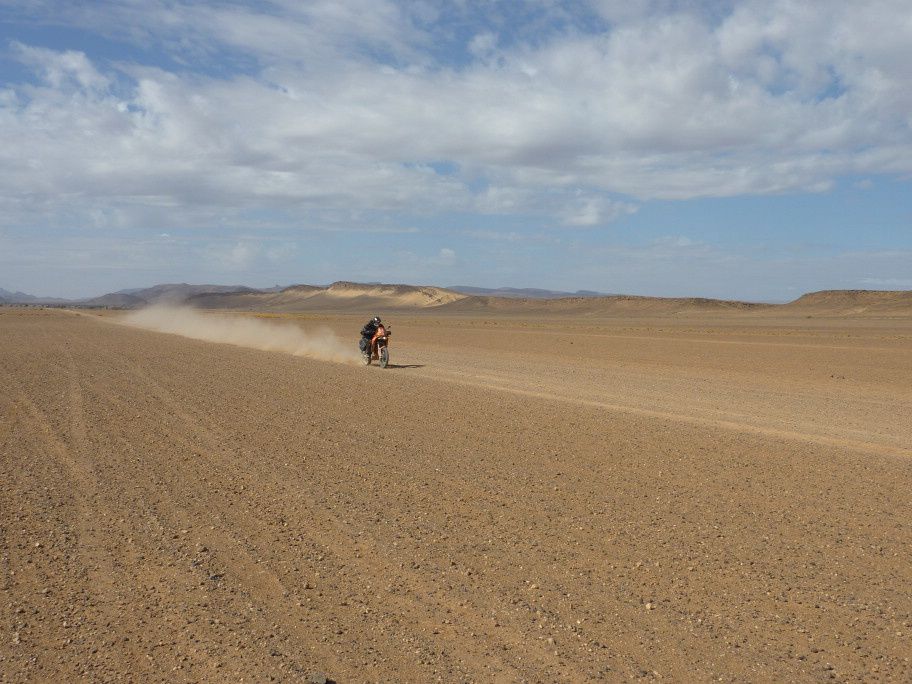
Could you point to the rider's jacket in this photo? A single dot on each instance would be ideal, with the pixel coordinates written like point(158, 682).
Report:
point(369, 330)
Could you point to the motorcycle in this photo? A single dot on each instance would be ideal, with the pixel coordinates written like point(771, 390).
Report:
point(381, 350)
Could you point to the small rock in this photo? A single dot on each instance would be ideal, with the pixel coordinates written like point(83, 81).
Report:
point(318, 678)
point(649, 606)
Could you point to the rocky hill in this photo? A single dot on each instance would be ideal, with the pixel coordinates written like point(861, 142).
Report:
point(852, 303)
point(370, 298)
point(340, 296)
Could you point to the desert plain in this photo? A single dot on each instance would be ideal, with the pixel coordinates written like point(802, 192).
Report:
point(520, 497)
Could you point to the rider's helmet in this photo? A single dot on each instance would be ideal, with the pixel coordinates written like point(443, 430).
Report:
point(376, 320)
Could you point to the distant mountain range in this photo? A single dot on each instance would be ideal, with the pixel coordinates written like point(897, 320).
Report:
point(7, 297)
point(133, 298)
point(523, 293)
point(177, 293)
point(377, 298)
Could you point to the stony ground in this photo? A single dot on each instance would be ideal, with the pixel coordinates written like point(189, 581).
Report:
point(571, 501)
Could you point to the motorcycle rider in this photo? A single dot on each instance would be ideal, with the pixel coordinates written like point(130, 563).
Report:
point(368, 333)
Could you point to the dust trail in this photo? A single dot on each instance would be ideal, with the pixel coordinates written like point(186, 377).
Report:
point(321, 344)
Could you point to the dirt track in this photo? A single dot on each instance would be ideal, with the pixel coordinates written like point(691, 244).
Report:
point(574, 502)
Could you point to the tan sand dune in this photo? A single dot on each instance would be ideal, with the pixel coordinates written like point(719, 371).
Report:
point(394, 295)
point(514, 499)
point(338, 296)
point(617, 305)
point(292, 298)
point(357, 297)
point(853, 303)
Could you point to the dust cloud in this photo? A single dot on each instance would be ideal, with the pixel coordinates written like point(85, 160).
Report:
point(321, 344)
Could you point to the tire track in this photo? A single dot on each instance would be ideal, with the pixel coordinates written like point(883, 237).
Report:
point(281, 515)
point(507, 384)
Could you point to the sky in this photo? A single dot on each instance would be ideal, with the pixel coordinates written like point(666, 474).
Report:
point(741, 149)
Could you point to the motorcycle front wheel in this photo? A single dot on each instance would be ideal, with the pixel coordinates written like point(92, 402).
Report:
point(384, 357)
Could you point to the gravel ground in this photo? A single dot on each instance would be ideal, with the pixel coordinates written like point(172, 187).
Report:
point(571, 502)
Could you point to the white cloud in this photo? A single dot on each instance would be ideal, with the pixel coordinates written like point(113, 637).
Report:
point(405, 265)
point(446, 257)
point(513, 236)
point(674, 241)
point(62, 70)
point(348, 104)
point(483, 45)
point(238, 256)
point(281, 253)
point(594, 211)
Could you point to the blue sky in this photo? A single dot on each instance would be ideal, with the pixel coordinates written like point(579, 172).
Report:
point(750, 149)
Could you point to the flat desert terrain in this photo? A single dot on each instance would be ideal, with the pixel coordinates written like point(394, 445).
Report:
point(691, 498)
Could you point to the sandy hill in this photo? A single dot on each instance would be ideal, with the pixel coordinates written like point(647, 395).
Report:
point(599, 306)
point(852, 303)
point(116, 300)
point(293, 298)
point(339, 296)
point(522, 292)
point(395, 296)
point(371, 298)
point(173, 293)
point(348, 296)
point(379, 298)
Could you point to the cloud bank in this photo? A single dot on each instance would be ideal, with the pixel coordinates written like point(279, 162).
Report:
point(345, 111)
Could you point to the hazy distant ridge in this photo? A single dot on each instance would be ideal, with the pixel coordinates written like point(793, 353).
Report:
point(854, 302)
point(523, 292)
point(7, 297)
point(342, 295)
point(131, 298)
point(376, 298)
